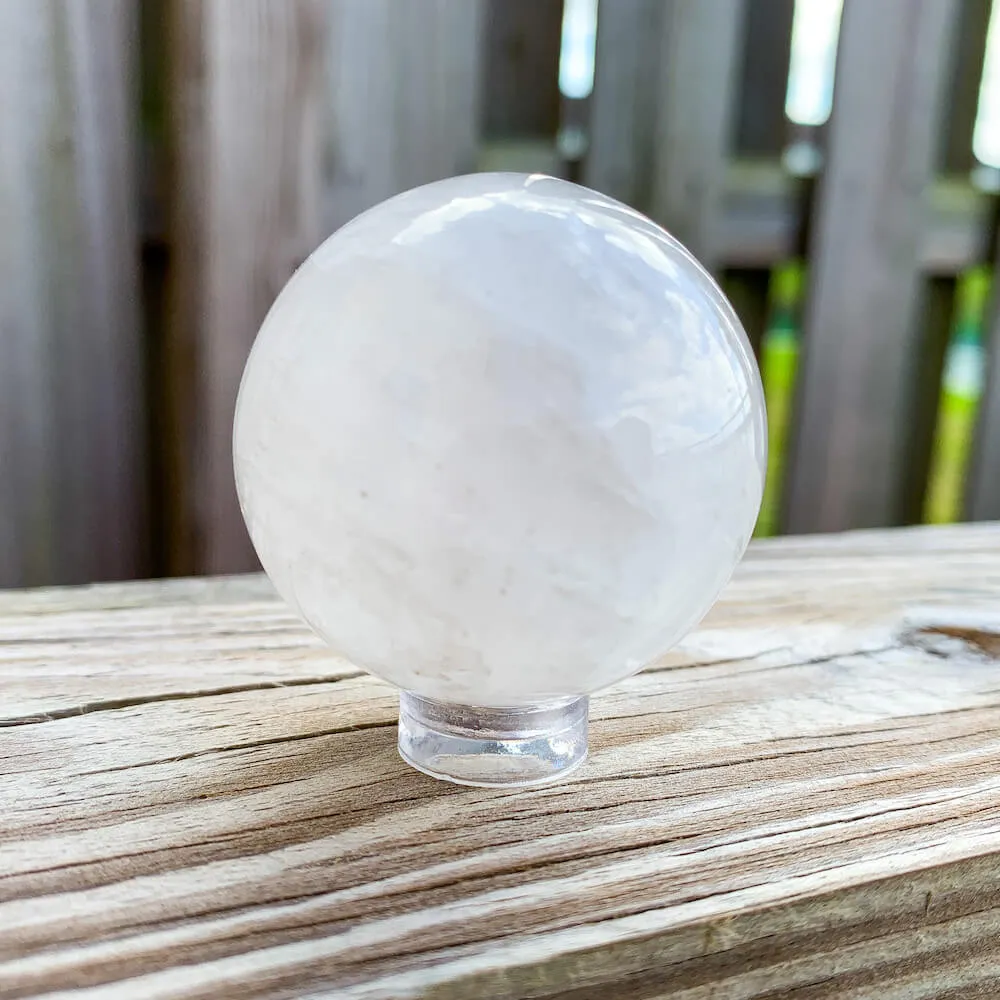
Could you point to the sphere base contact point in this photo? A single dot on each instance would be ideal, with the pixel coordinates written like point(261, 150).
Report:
point(493, 747)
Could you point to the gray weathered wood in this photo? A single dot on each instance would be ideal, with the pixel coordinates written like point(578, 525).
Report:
point(802, 799)
point(954, 156)
point(966, 73)
point(520, 86)
point(934, 329)
point(249, 105)
point(622, 107)
point(661, 113)
point(761, 126)
point(699, 57)
point(865, 291)
point(403, 81)
point(982, 500)
point(760, 130)
point(72, 476)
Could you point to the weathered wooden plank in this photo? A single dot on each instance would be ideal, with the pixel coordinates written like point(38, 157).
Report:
point(982, 501)
point(966, 73)
point(761, 130)
point(622, 107)
point(661, 113)
point(403, 81)
point(72, 462)
point(248, 95)
point(982, 486)
point(521, 68)
point(935, 327)
point(864, 300)
point(760, 813)
point(761, 127)
point(699, 57)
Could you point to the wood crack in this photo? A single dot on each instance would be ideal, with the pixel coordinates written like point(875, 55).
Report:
point(253, 745)
point(114, 704)
point(809, 662)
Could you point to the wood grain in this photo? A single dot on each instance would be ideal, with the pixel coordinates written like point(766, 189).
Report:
point(760, 131)
point(799, 801)
point(246, 131)
point(403, 90)
point(966, 71)
point(619, 159)
point(934, 331)
point(521, 68)
point(861, 318)
point(983, 484)
point(761, 126)
point(699, 62)
point(662, 110)
point(72, 462)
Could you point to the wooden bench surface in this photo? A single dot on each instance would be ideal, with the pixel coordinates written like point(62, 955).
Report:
point(802, 800)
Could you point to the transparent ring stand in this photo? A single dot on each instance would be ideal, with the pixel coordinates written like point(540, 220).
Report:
point(493, 746)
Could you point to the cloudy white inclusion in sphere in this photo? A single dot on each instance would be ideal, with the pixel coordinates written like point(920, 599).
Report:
point(500, 439)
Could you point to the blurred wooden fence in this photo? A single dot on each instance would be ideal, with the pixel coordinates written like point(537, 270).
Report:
point(165, 165)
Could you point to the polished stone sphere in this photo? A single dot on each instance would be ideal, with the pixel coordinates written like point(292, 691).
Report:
point(501, 440)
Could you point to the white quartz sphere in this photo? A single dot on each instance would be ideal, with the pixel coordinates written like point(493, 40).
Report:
point(501, 439)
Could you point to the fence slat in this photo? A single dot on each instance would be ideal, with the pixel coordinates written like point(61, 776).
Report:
point(248, 91)
point(521, 81)
point(933, 330)
point(622, 106)
point(699, 61)
point(935, 326)
point(661, 117)
point(404, 85)
point(955, 152)
point(72, 473)
point(982, 502)
point(761, 125)
point(760, 130)
point(864, 301)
